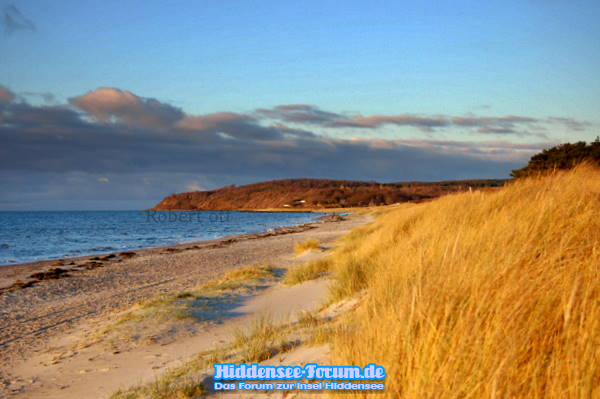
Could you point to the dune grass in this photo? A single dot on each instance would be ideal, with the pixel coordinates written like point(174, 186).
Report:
point(308, 271)
point(246, 278)
point(189, 305)
point(261, 341)
point(307, 245)
point(163, 388)
point(480, 295)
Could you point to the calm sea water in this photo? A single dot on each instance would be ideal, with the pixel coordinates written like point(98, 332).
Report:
point(39, 235)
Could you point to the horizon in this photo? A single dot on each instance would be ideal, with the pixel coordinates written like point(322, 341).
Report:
point(114, 106)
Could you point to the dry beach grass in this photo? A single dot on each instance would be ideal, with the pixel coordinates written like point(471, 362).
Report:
point(477, 295)
point(308, 245)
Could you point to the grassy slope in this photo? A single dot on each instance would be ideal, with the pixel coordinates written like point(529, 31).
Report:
point(480, 294)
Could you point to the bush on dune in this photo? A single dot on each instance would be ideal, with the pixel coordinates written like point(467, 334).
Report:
point(564, 156)
point(481, 294)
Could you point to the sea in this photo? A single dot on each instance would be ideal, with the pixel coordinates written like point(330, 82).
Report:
point(29, 236)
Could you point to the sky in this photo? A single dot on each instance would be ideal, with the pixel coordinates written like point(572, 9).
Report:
point(115, 104)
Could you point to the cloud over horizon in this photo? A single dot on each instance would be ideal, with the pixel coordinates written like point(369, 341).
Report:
point(6, 96)
point(114, 105)
point(500, 125)
point(118, 139)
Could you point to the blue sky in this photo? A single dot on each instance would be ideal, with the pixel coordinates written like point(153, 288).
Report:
point(536, 59)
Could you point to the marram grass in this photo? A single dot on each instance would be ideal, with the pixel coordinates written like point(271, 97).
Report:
point(308, 271)
point(307, 245)
point(480, 295)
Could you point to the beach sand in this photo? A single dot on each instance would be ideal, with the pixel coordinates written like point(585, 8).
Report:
point(43, 327)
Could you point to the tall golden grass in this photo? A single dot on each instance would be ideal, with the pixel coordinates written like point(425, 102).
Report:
point(481, 295)
point(307, 245)
point(308, 271)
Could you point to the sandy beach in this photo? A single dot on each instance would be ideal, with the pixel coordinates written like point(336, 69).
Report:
point(46, 318)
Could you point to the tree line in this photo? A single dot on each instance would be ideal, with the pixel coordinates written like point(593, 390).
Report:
point(563, 156)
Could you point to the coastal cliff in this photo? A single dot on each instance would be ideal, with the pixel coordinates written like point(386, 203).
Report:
point(315, 193)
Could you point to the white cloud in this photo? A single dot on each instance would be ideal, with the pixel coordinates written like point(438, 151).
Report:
point(194, 186)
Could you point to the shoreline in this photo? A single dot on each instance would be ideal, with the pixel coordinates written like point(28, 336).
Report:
point(266, 210)
point(50, 261)
point(51, 307)
point(21, 271)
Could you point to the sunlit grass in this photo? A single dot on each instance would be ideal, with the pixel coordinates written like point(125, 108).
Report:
point(261, 341)
point(307, 245)
point(480, 295)
point(308, 271)
point(187, 305)
point(166, 387)
point(483, 294)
